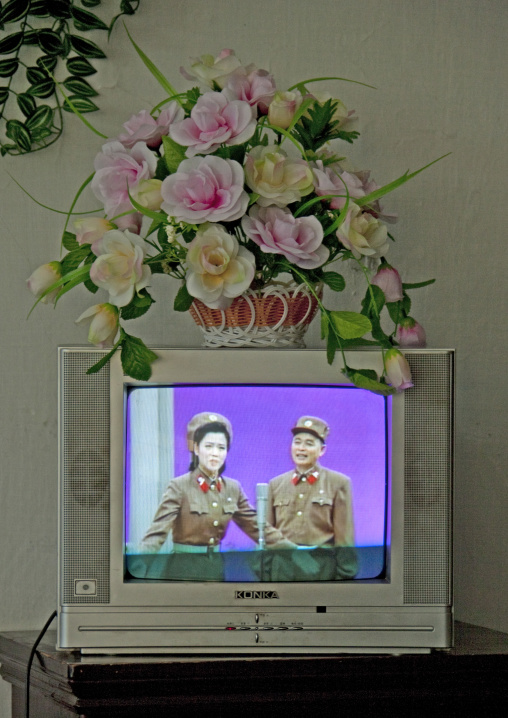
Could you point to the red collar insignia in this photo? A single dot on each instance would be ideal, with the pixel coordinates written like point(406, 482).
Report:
point(205, 486)
point(310, 478)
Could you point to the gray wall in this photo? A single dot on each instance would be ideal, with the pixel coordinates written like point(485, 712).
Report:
point(440, 67)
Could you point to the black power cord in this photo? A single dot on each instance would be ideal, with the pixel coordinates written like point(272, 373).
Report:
point(30, 661)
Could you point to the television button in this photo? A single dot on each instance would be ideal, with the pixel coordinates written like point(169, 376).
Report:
point(85, 587)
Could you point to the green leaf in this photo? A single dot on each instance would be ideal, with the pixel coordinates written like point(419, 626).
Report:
point(60, 9)
point(139, 305)
point(50, 42)
point(26, 104)
point(327, 79)
point(15, 10)
point(31, 37)
point(39, 8)
point(80, 67)
point(35, 75)
point(79, 105)
point(42, 117)
point(105, 359)
point(173, 153)
point(155, 71)
point(19, 133)
point(418, 285)
point(11, 43)
point(136, 358)
point(90, 3)
point(80, 87)
point(46, 88)
point(69, 241)
point(373, 302)
point(85, 47)
point(350, 325)
point(8, 67)
point(84, 20)
point(47, 63)
point(72, 260)
point(183, 300)
point(363, 379)
point(334, 280)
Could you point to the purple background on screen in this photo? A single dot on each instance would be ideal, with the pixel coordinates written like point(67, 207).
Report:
point(262, 418)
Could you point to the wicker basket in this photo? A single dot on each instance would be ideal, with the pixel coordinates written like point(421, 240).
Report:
point(277, 315)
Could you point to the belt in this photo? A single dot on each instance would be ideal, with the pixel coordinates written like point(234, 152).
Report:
point(189, 548)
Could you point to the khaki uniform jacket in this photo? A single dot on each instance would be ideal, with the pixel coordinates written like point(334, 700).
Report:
point(197, 518)
point(318, 514)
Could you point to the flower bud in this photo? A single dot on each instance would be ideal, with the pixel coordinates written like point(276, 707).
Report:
point(398, 373)
point(410, 334)
point(148, 194)
point(283, 107)
point(103, 324)
point(90, 229)
point(42, 279)
point(388, 279)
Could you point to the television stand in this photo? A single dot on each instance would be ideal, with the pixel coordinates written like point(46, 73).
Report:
point(468, 680)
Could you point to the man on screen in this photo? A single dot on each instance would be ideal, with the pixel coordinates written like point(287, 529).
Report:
point(312, 506)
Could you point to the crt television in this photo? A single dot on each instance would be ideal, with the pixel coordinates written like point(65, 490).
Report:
point(258, 590)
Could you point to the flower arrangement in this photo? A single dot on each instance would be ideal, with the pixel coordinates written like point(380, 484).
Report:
point(226, 186)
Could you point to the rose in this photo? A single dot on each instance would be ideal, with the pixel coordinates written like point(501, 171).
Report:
point(212, 70)
point(118, 170)
point(388, 280)
point(397, 369)
point(145, 128)
point(276, 231)
point(148, 193)
point(410, 333)
point(332, 180)
point(205, 189)
point(103, 320)
point(283, 107)
point(363, 234)
point(251, 85)
point(119, 267)
point(341, 115)
point(275, 177)
point(41, 280)
point(90, 229)
point(214, 121)
point(218, 268)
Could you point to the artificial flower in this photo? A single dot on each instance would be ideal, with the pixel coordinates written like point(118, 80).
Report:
point(214, 121)
point(283, 107)
point(257, 87)
point(275, 230)
point(90, 229)
point(212, 70)
point(119, 267)
point(143, 127)
point(363, 234)
point(205, 189)
point(219, 269)
point(277, 178)
point(41, 280)
point(148, 193)
point(410, 334)
point(398, 373)
point(332, 180)
point(104, 324)
point(388, 280)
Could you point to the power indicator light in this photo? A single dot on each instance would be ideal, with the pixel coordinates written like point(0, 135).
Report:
point(230, 628)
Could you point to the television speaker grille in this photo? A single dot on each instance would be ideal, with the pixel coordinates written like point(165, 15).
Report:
point(428, 458)
point(84, 479)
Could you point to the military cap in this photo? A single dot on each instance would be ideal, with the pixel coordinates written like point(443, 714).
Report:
point(312, 425)
point(203, 418)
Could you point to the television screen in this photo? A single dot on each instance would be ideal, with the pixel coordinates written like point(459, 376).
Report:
point(340, 476)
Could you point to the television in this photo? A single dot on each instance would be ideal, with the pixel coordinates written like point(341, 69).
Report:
point(146, 566)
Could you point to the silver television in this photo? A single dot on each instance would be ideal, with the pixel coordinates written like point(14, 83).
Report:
point(135, 575)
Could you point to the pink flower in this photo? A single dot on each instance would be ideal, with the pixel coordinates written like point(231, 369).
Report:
point(119, 267)
point(145, 128)
point(213, 70)
point(118, 170)
point(90, 229)
point(103, 320)
point(214, 121)
point(283, 107)
point(219, 269)
point(398, 373)
point(363, 234)
point(257, 87)
point(131, 221)
point(205, 189)
point(332, 180)
point(276, 231)
point(41, 280)
point(388, 279)
point(410, 334)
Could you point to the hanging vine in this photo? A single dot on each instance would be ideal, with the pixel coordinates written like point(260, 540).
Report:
point(44, 43)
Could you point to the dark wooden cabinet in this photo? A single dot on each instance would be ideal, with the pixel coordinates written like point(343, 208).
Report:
point(469, 680)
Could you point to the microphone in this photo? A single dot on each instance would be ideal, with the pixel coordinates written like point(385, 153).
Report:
point(261, 504)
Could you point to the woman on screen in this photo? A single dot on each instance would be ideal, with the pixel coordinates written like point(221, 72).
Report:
point(198, 506)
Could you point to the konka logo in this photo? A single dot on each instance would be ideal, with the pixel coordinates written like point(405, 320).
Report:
point(256, 594)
